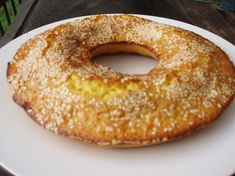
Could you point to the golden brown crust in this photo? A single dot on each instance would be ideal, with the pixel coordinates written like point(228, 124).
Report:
point(52, 78)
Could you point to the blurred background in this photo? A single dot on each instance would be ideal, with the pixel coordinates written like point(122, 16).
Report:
point(9, 8)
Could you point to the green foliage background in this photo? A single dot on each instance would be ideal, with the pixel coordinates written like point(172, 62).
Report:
point(3, 18)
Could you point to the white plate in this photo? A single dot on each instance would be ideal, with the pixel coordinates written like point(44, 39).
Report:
point(27, 149)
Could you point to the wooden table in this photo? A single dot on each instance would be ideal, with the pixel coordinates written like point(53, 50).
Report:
point(35, 13)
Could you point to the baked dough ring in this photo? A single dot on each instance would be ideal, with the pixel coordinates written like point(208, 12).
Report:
point(53, 79)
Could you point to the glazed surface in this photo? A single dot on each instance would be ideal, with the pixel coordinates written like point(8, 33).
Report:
point(53, 79)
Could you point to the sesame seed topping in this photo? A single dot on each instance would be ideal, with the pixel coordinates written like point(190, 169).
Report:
point(53, 77)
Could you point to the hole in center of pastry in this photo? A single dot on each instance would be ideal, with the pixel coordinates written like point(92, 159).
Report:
point(124, 58)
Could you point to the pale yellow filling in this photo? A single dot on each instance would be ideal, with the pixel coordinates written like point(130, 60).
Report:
point(99, 89)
